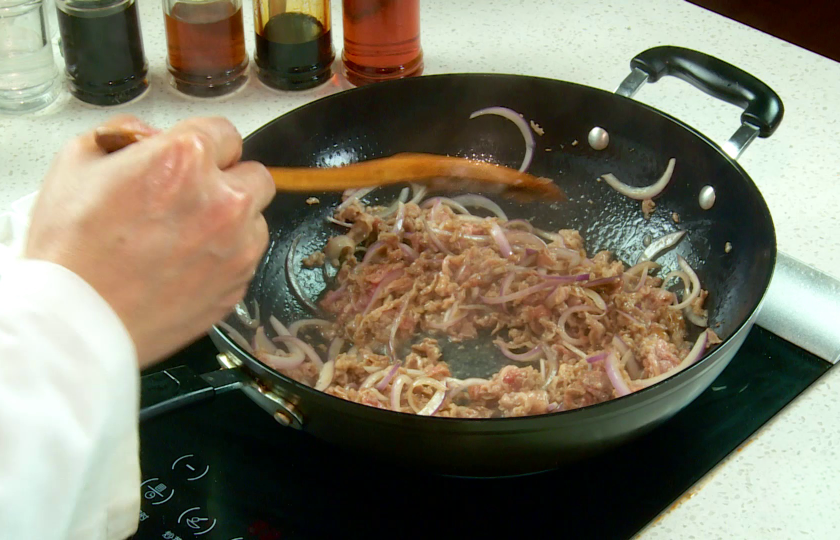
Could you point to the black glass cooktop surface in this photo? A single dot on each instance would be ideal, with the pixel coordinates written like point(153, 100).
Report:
point(226, 470)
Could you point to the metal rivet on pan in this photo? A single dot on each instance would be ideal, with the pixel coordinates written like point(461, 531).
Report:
point(647, 240)
point(707, 197)
point(282, 418)
point(598, 138)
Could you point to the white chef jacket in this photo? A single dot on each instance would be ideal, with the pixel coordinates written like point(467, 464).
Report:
point(69, 466)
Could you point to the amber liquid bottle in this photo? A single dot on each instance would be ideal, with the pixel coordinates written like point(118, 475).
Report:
point(381, 40)
point(206, 45)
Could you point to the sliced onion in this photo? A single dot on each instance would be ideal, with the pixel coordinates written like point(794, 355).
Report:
point(278, 327)
point(461, 385)
point(501, 240)
point(419, 193)
point(302, 345)
point(642, 193)
point(695, 285)
point(434, 201)
point(374, 378)
point(567, 279)
point(237, 337)
point(570, 255)
point(564, 317)
point(628, 360)
point(613, 370)
point(574, 349)
point(339, 222)
point(380, 288)
point(396, 391)
point(433, 405)
point(401, 199)
point(619, 344)
point(335, 348)
point(525, 238)
point(278, 362)
point(529, 356)
point(517, 295)
point(523, 126)
point(291, 277)
point(695, 319)
point(445, 324)
point(551, 237)
point(426, 381)
point(325, 378)
point(520, 224)
point(479, 201)
point(245, 317)
point(553, 365)
point(381, 385)
point(641, 266)
point(392, 339)
point(661, 244)
point(602, 281)
point(503, 287)
point(631, 318)
point(596, 357)
point(596, 298)
point(554, 407)
point(433, 236)
point(372, 250)
point(409, 252)
point(262, 343)
point(295, 327)
point(356, 195)
point(398, 223)
point(693, 356)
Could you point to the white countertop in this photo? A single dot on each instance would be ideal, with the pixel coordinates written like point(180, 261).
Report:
point(784, 483)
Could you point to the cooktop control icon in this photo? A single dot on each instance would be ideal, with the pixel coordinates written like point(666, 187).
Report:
point(156, 491)
point(188, 466)
point(197, 521)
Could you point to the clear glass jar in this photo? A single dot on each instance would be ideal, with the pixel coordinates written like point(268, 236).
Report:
point(294, 43)
point(28, 74)
point(103, 50)
point(206, 46)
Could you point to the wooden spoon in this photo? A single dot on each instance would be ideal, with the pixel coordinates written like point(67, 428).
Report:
point(437, 172)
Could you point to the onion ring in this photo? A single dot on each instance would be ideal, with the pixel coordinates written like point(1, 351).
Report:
point(642, 193)
point(523, 126)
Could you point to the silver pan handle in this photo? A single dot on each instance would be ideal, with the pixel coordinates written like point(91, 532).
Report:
point(763, 109)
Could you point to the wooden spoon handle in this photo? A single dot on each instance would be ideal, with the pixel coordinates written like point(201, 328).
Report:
point(437, 172)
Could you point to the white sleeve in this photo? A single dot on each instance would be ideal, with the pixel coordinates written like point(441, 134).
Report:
point(68, 409)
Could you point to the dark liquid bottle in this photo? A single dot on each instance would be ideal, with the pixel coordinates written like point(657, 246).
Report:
point(103, 50)
point(206, 45)
point(294, 49)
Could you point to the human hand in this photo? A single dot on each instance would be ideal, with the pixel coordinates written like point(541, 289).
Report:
point(169, 230)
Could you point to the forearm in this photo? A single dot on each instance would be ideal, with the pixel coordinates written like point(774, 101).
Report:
point(68, 408)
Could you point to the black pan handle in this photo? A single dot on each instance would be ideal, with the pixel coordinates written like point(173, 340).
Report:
point(763, 108)
point(180, 386)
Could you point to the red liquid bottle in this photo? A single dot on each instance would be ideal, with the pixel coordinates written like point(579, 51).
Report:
point(381, 40)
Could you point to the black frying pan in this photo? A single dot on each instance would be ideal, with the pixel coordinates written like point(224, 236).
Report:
point(431, 114)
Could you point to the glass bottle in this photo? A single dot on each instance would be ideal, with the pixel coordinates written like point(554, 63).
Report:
point(103, 50)
point(28, 74)
point(206, 46)
point(294, 43)
point(381, 40)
